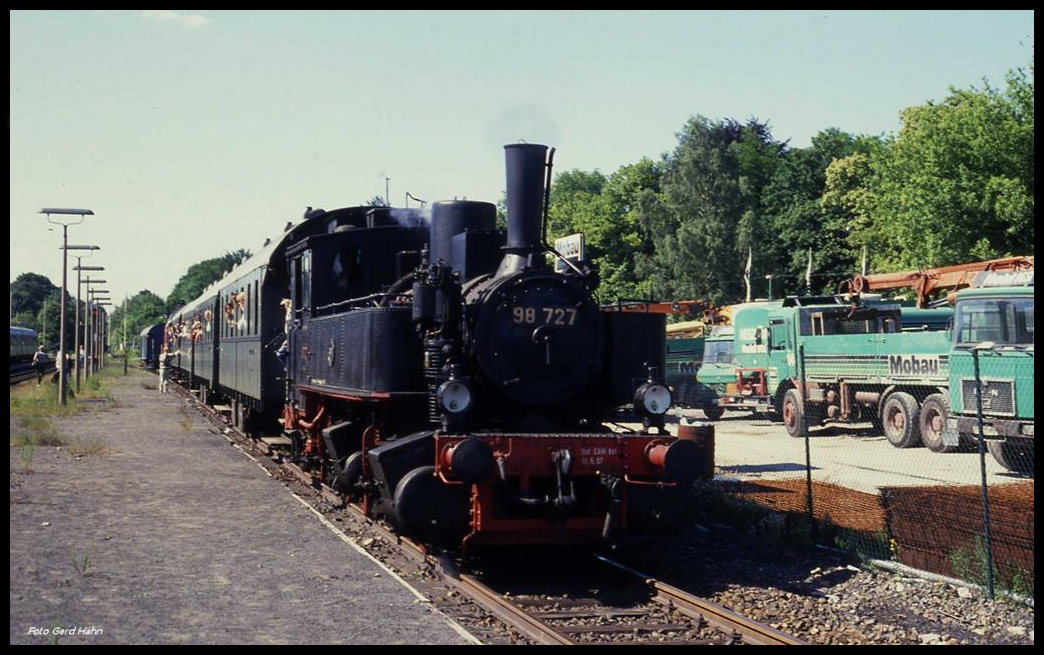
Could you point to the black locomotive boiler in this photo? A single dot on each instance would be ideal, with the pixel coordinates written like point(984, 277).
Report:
point(446, 377)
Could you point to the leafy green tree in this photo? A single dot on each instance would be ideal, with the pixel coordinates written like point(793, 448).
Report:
point(605, 210)
point(48, 319)
point(143, 310)
point(573, 194)
point(957, 184)
point(704, 220)
point(795, 218)
point(28, 292)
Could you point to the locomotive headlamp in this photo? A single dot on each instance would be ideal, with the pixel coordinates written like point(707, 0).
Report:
point(455, 396)
point(652, 398)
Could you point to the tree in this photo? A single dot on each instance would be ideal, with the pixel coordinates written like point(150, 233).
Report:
point(48, 319)
point(573, 193)
point(957, 184)
point(704, 220)
point(28, 292)
point(143, 310)
point(795, 218)
point(606, 211)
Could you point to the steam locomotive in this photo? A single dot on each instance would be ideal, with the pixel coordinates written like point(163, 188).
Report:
point(442, 374)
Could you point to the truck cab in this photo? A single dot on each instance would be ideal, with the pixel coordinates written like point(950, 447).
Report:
point(734, 374)
point(993, 323)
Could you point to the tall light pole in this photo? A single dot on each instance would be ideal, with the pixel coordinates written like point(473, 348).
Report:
point(123, 343)
point(76, 345)
point(103, 330)
point(88, 329)
point(96, 296)
point(63, 384)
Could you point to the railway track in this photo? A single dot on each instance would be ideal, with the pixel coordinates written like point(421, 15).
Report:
point(616, 606)
point(605, 603)
point(22, 376)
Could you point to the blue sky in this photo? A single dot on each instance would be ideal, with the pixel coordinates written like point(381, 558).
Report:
point(191, 133)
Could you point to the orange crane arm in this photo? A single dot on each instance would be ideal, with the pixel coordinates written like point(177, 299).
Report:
point(927, 281)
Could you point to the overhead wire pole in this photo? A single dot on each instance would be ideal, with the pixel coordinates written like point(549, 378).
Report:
point(63, 383)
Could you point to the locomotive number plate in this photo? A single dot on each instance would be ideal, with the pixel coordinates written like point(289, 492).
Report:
point(565, 316)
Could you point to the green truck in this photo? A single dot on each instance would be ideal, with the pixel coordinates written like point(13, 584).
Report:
point(698, 368)
point(892, 366)
point(994, 324)
point(745, 382)
point(722, 382)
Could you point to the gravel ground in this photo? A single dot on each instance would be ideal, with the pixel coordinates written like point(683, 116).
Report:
point(175, 537)
point(823, 599)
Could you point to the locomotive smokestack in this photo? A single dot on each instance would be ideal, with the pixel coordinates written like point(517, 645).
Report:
point(525, 165)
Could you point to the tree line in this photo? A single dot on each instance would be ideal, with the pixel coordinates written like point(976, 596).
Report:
point(954, 185)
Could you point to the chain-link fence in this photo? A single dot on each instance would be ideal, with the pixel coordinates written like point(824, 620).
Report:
point(903, 465)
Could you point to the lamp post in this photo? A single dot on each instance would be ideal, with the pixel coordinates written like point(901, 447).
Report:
point(97, 347)
point(79, 282)
point(63, 383)
point(103, 330)
point(88, 328)
point(123, 342)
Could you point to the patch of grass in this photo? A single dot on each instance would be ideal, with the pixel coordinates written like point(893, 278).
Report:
point(27, 458)
point(864, 545)
point(82, 563)
point(42, 401)
point(969, 563)
point(89, 447)
point(56, 624)
point(36, 430)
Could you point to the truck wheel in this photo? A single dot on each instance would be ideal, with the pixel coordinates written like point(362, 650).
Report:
point(934, 411)
point(900, 416)
point(713, 412)
point(792, 412)
point(1013, 454)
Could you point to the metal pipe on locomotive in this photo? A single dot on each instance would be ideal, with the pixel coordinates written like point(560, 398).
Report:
point(471, 410)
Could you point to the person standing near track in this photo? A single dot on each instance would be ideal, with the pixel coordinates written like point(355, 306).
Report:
point(40, 364)
point(164, 367)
